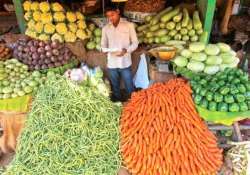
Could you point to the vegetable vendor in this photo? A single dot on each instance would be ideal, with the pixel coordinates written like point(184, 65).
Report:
point(119, 40)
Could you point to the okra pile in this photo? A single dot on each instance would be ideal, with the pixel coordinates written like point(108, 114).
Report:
point(70, 130)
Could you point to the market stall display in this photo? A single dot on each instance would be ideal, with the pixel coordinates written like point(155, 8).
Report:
point(50, 21)
point(171, 23)
point(70, 129)
point(161, 133)
point(42, 54)
point(16, 81)
point(5, 52)
point(95, 39)
point(208, 59)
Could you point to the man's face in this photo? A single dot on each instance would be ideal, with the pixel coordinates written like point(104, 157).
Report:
point(113, 16)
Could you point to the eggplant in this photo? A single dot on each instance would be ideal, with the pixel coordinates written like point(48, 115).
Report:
point(42, 56)
point(33, 49)
point(55, 44)
point(37, 67)
point(20, 48)
point(58, 64)
point(48, 54)
point(55, 52)
point(53, 59)
point(35, 56)
point(26, 49)
point(47, 61)
point(40, 50)
point(41, 44)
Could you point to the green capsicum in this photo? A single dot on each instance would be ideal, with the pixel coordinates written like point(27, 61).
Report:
point(204, 103)
point(203, 92)
point(229, 99)
point(197, 99)
point(209, 96)
point(212, 106)
point(241, 88)
point(223, 107)
point(240, 98)
point(233, 90)
point(224, 90)
point(243, 106)
point(218, 97)
point(247, 95)
point(234, 107)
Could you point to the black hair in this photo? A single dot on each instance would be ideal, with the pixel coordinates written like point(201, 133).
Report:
point(111, 7)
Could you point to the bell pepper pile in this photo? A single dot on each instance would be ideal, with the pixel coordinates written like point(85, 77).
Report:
point(227, 91)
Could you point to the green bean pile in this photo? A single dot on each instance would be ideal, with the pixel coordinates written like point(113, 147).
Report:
point(71, 130)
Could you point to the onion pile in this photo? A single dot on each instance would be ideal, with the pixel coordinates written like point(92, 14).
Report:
point(42, 54)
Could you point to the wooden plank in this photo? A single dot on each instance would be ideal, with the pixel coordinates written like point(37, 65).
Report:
point(19, 14)
point(222, 127)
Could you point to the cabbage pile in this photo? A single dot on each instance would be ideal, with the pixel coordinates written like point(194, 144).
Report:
point(208, 59)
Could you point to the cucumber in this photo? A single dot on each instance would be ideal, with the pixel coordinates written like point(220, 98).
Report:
point(194, 38)
point(162, 25)
point(157, 17)
point(172, 33)
point(164, 39)
point(150, 40)
point(178, 26)
point(148, 18)
point(190, 25)
point(143, 27)
point(175, 42)
point(154, 27)
point(191, 32)
point(184, 31)
point(177, 37)
point(157, 40)
point(203, 37)
point(161, 32)
point(185, 38)
point(199, 32)
point(170, 25)
point(149, 34)
point(185, 18)
point(170, 14)
point(178, 17)
point(196, 21)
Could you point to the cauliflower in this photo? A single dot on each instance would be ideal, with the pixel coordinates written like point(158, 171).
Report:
point(28, 15)
point(31, 24)
point(27, 6)
point(81, 24)
point(59, 16)
point(46, 18)
point(79, 16)
point(49, 28)
point(58, 37)
point(37, 16)
point(44, 6)
point(39, 27)
point(81, 34)
point(61, 28)
point(44, 37)
point(71, 17)
point(72, 27)
point(70, 37)
point(30, 33)
point(56, 7)
point(34, 6)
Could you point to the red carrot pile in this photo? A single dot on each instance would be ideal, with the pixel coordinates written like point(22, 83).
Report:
point(162, 134)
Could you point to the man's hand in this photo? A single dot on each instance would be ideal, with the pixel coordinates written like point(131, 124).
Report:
point(122, 53)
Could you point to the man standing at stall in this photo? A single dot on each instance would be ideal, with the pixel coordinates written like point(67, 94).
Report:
point(119, 40)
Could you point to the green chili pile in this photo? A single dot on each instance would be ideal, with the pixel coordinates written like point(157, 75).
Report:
point(70, 130)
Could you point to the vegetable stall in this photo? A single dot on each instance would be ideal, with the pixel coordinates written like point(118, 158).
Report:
point(55, 110)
